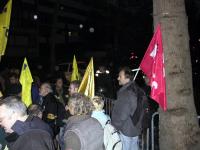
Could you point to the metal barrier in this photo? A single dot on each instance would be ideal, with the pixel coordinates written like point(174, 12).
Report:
point(152, 129)
point(108, 105)
point(145, 140)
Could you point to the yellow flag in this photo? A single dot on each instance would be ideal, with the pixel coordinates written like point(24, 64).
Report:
point(1, 95)
point(4, 26)
point(26, 82)
point(87, 84)
point(75, 74)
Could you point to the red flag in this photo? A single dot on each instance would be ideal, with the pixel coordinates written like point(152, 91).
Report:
point(153, 66)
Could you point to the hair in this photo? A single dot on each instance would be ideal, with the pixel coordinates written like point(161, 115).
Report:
point(98, 102)
point(58, 78)
point(76, 83)
point(34, 110)
point(14, 104)
point(47, 86)
point(127, 71)
point(81, 104)
point(13, 74)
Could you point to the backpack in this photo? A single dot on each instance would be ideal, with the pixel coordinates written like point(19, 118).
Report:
point(141, 116)
point(112, 139)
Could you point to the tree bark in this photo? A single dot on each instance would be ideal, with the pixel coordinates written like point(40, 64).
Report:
point(178, 126)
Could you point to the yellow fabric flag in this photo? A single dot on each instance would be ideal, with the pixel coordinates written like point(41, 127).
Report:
point(26, 82)
point(75, 74)
point(87, 84)
point(1, 95)
point(4, 26)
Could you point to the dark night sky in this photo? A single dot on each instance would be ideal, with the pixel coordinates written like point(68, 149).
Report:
point(120, 29)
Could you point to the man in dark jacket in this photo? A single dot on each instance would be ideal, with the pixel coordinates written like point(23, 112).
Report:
point(124, 108)
point(13, 88)
point(53, 111)
point(60, 92)
point(24, 132)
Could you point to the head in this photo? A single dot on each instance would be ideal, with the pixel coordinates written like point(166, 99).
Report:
point(79, 104)
point(98, 103)
point(13, 78)
point(45, 89)
point(67, 75)
point(14, 70)
point(125, 76)
point(73, 87)
point(59, 83)
point(36, 80)
point(35, 110)
point(102, 69)
point(11, 110)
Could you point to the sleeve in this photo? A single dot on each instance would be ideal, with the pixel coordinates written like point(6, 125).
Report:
point(71, 141)
point(124, 107)
point(51, 109)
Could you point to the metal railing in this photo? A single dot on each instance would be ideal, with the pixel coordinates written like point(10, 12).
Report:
point(152, 129)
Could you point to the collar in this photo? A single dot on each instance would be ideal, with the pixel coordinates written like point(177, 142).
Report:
point(77, 118)
point(126, 85)
point(98, 111)
point(20, 127)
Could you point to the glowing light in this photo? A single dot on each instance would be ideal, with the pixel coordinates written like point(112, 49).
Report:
point(69, 33)
point(91, 30)
point(35, 17)
point(80, 26)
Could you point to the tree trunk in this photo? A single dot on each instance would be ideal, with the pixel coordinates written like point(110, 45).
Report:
point(178, 125)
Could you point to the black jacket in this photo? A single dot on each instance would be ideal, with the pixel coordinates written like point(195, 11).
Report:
point(54, 112)
point(61, 96)
point(124, 107)
point(52, 106)
point(30, 135)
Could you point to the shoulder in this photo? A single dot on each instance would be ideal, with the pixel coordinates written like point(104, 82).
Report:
point(34, 139)
point(71, 141)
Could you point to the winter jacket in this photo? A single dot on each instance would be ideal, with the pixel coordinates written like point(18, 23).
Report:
point(124, 107)
point(33, 134)
point(54, 112)
point(82, 133)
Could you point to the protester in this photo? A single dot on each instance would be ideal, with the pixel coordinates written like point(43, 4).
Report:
point(124, 108)
point(13, 88)
point(81, 131)
point(73, 87)
point(53, 111)
point(35, 110)
point(24, 132)
point(35, 94)
point(2, 132)
point(60, 92)
point(99, 112)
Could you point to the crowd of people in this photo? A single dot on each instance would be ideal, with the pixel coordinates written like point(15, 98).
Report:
point(61, 118)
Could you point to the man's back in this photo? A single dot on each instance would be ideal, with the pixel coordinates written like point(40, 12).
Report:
point(30, 135)
point(86, 132)
point(34, 139)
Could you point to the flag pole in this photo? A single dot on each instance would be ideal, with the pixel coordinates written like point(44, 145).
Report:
point(138, 69)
